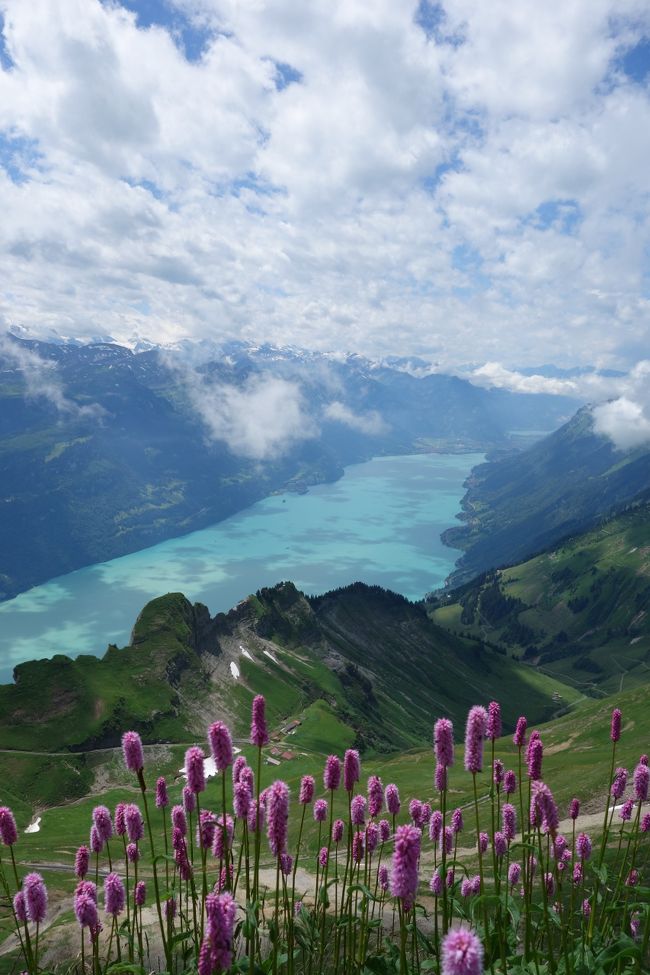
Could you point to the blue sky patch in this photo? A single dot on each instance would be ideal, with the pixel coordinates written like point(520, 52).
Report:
point(5, 58)
point(286, 75)
point(191, 39)
point(430, 16)
point(636, 61)
point(562, 215)
point(17, 156)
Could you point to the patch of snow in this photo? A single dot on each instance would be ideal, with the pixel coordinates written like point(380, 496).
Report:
point(270, 656)
point(245, 652)
point(35, 826)
point(632, 550)
point(209, 768)
point(635, 640)
point(234, 669)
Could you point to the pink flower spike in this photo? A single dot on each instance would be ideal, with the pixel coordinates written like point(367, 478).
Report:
point(133, 751)
point(134, 823)
point(332, 773)
point(435, 826)
point(358, 810)
point(81, 862)
point(320, 810)
point(494, 728)
point(641, 780)
point(103, 822)
point(120, 821)
point(534, 758)
point(277, 810)
point(20, 908)
point(375, 796)
point(162, 800)
point(519, 737)
point(114, 895)
point(351, 769)
point(474, 737)
point(404, 873)
point(307, 787)
point(583, 846)
point(8, 830)
point(443, 742)
point(237, 766)
point(195, 769)
point(391, 796)
point(615, 729)
point(221, 744)
point(462, 954)
point(35, 897)
point(259, 731)
point(140, 894)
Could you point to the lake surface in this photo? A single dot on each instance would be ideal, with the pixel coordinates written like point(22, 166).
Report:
point(380, 523)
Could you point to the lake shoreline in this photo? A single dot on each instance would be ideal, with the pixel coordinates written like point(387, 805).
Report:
point(380, 522)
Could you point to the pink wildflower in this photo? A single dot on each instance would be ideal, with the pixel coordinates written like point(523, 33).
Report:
point(462, 953)
point(404, 874)
point(114, 894)
point(277, 809)
point(519, 737)
point(332, 773)
point(307, 786)
point(81, 862)
point(358, 810)
point(162, 799)
point(195, 769)
point(375, 796)
point(132, 751)
point(320, 810)
point(474, 736)
point(443, 742)
point(494, 721)
point(391, 795)
point(8, 830)
point(221, 744)
point(259, 731)
point(435, 826)
point(351, 769)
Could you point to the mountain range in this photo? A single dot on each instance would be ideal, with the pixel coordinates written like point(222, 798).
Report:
point(104, 451)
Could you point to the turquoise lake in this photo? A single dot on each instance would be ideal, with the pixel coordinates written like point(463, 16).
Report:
point(380, 523)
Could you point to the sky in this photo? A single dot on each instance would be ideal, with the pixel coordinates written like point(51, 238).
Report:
point(467, 182)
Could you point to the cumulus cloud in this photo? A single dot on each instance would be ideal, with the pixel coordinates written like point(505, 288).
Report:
point(626, 420)
point(42, 380)
point(261, 420)
point(495, 374)
point(330, 174)
point(369, 422)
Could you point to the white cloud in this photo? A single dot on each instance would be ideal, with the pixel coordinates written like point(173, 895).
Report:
point(42, 380)
point(496, 375)
point(489, 194)
point(369, 422)
point(626, 420)
point(261, 420)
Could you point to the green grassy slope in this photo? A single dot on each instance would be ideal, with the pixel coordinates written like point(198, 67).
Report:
point(523, 503)
point(359, 666)
point(580, 611)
